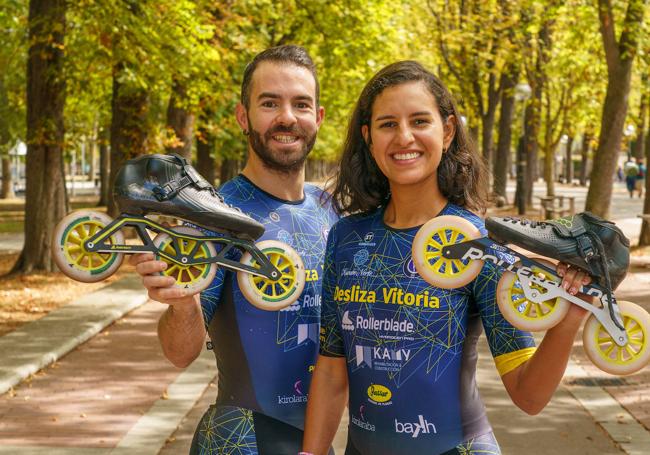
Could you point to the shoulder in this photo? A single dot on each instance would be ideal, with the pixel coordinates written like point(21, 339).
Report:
point(236, 189)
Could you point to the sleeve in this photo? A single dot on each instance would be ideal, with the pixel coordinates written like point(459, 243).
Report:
point(331, 340)
point(510, 346)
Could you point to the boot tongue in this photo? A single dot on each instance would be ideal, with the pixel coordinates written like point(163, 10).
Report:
point(569, 226)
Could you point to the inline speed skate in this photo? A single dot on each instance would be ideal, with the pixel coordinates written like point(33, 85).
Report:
point(449, 252)
point(89, 246)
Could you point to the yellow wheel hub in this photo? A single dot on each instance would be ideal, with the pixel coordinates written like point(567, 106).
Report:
point(75, 252)
point(620, 355)
point(285, 286)
point(432, 252)
point(531, 310)
point(185, 274)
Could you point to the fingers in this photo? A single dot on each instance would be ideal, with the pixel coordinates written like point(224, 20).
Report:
point(150, 267)
point(169, 295)
point(136, 259)
point(572, 277)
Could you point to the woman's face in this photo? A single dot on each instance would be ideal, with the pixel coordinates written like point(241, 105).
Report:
point(407, 134)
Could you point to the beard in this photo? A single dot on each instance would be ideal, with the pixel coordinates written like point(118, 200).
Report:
point(286, 163)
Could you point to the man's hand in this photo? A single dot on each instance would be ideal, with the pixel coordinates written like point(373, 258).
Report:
point(160, 288)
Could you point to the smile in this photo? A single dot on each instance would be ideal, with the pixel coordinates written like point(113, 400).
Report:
point(406, 156)
point(284, 138)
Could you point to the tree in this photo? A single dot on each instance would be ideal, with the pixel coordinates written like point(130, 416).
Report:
point(45, 194)
point(619, 57)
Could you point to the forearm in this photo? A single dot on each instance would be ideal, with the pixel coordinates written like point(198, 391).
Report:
point(181, 332)
point(328, 396)
point(538, 378)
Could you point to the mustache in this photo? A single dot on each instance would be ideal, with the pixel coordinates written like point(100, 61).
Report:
point(294, 129)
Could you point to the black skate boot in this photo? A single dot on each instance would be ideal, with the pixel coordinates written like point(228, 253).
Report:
point(168, 185)
point(584, 240)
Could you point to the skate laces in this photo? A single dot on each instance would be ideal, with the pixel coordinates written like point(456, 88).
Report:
point(525, 222)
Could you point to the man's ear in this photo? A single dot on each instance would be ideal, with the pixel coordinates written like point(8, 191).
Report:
point(242, 118)
point(449, 131)
point(320, 115)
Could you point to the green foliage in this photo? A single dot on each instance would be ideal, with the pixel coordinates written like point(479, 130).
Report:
point(205, 45)
point(13, 58)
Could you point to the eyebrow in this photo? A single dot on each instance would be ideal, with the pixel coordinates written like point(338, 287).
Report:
point(276, 96)
point(414, 114)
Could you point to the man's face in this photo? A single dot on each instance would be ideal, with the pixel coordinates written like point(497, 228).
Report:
point(282, 118)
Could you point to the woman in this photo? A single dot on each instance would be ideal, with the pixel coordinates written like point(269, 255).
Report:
point(402, 350)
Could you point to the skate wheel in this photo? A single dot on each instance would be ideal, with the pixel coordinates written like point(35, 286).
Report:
point(193, 278)
point(69, 253)
point(272, 295)
point(612, 358)
point(427, 252)
point(526, 314)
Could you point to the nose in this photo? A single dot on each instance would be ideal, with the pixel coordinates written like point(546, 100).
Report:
point(404, 135)
point(286, 116)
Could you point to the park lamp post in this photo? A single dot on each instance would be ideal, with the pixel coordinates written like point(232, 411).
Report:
point(522, 93)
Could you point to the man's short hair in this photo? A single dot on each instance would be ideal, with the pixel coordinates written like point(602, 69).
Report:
point(290, 53)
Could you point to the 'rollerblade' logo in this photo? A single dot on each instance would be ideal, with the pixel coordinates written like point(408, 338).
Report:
point(274, 216)
point(346, 322)
point(361, 257)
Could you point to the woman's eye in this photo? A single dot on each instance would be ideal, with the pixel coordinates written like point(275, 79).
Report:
point(387, 125)
point(421, 121)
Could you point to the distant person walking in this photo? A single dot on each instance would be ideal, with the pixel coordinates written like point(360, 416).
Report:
point(631, 171)
point(640, 177)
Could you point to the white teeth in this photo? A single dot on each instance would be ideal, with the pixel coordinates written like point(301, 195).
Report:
point(285, 139)
point(406, 156)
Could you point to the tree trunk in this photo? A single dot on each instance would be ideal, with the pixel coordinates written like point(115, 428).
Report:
point(584, 153)
point(639, 144)
point(644, 236)
point(130, 106)
point(487, 132)
point(568, 168)
point(229, 168)
point(204, 159)
point(104, 166)
point(180, 121)
point(502, 156)
point(620, 56)
point(45, 199)
point(531, 131)
point(7, 187)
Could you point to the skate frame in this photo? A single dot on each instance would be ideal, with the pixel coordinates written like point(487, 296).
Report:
point(479, 249)
point(97, 244)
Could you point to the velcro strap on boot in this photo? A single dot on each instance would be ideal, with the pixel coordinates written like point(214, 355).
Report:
point(171, 188)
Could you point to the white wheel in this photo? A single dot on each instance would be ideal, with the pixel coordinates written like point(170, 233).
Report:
point(193, 278)
point(427, 252)
point(523, 313)
point(612, 358)
point(69, 253)
point(272, 295)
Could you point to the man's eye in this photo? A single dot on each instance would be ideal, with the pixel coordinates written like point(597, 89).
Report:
point(302, 106)
point(268, 104)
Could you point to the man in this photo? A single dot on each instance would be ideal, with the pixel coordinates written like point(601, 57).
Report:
point(631, 171)
point(264, 358)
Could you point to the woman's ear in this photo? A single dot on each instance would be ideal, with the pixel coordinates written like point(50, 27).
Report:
point(449, 131)
point(365, 132)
